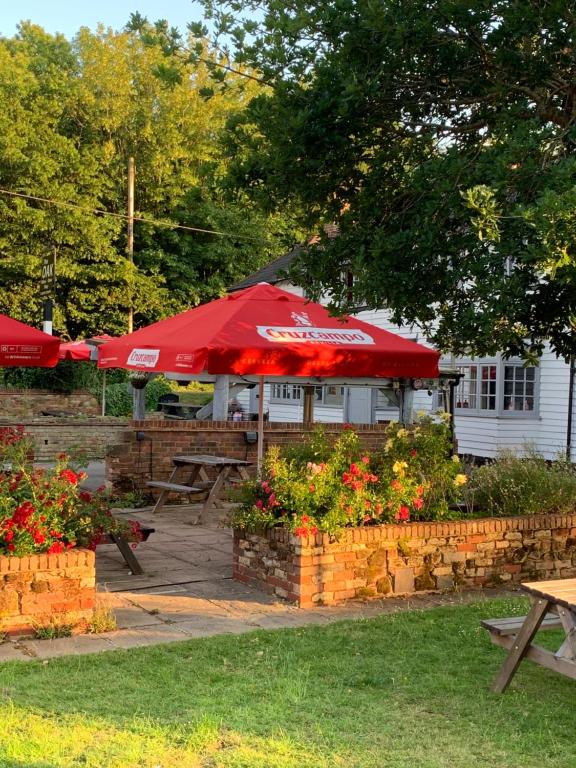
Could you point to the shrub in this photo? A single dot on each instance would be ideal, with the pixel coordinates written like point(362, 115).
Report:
point(513, 485)
point(118, 400)
point(349, 487)
point(45, 510)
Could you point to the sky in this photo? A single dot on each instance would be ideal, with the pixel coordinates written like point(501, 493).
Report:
point(67, 16)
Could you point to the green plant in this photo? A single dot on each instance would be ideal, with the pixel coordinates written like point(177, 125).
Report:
point(426, 447)
point(45, 510)
point(56, 627)
point(118, 400)
point(155, 388)
point(526, 484)
point(103, 619)
point(349, 487)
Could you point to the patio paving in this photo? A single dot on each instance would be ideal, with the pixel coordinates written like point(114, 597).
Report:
point(187, 591)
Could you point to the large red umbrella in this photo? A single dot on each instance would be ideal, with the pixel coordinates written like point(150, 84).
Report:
point(21, 345)
point(266, 331)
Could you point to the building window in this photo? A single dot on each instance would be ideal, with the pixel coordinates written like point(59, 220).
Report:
point(293, 393)
point(286, 392)
point(519, 388)
point(500, 388)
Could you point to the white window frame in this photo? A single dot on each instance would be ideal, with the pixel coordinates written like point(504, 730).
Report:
point(292, 393)
point(500, 394)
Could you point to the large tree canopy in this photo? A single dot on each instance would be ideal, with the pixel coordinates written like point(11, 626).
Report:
point(441, 136)
point(73, 113)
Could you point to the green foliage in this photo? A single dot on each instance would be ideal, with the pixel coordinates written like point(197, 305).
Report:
point(441, 138)
point(323, 488)
point(65, 377)
point(155, 388)
point(74, 113)
point(522, 485)
point(56, 627)
point(44, 510)
point(118, 400)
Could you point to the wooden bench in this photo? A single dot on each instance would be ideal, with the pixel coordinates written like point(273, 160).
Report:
point(553, 607)
point(126, 550)
point(503, 628)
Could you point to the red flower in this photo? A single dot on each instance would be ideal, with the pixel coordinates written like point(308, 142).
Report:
point(403, 513)
point(366, 459)
point(70, 476)
point(413, 452)
point(418, 503)
point(396, 485)
point(311, 488)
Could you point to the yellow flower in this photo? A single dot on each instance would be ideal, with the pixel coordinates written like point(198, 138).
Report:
point(456, 459)
point(460, 480)
point(445, 416)
point(388, 446)
point(421, 414)
point(399, 468)
point(402, 433)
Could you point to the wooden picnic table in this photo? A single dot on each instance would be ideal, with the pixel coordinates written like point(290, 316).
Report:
point(553, 607)
point(190, 476)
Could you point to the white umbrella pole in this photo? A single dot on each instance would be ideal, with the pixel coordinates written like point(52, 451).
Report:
point(104, 392)
point(260, 452)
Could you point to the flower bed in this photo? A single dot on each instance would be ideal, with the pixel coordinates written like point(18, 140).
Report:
point(46, 521)
point(328, 523)
point(375, 561)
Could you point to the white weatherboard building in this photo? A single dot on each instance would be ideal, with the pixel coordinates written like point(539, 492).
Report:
point(500, 404)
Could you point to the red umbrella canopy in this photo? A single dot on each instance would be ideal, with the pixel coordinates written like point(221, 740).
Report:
point(82, 350)
point(21, 345)
point(266, 331)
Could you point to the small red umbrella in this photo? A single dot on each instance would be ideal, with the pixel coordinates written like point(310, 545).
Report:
point(83, 351)
point(266, 331)
point(21, 345)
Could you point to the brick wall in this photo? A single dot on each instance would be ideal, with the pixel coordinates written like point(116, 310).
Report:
point(132, 462)
point(38, 588)
point(24, 403)
point(90, 435)
point(402, 559)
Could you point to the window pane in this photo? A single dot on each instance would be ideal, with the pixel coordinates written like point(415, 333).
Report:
point(333, 395)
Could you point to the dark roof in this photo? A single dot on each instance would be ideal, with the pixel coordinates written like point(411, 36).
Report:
point(271, 273)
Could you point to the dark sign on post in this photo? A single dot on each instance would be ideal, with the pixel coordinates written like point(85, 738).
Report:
point(48, 276)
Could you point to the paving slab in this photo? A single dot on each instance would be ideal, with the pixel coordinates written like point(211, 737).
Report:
point(12, 652)
point(66, 646)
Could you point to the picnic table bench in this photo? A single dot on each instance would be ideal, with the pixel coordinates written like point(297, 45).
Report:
point(553, 607)
point(193, 470)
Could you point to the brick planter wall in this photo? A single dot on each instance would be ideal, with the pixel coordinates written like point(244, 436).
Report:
point(403, 559)
point(132, 462)
point(37, 588)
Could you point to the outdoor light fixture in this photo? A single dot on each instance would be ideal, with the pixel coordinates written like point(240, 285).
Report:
point(250, 438)
point(417, 384)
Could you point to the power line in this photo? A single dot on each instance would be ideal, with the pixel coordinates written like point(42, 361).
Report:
point(102, 212)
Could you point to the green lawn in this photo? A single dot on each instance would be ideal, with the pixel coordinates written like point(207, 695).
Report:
point(408, 690)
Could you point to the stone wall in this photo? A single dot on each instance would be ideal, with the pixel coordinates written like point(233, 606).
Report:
point(86, 436)
point(403, 559)
point(18, 404)
point(38, 589)
point(147, 447)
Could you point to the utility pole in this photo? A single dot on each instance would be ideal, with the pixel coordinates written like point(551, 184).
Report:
point(130, 240)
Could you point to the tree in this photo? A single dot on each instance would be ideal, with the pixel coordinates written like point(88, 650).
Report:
point(441, 136)
point(74, 112)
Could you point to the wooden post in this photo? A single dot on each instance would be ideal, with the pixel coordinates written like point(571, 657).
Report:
point(308, 406)
point(260, 452)
point(130, 240)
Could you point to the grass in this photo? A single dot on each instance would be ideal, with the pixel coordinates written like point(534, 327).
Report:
point(407, 690)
